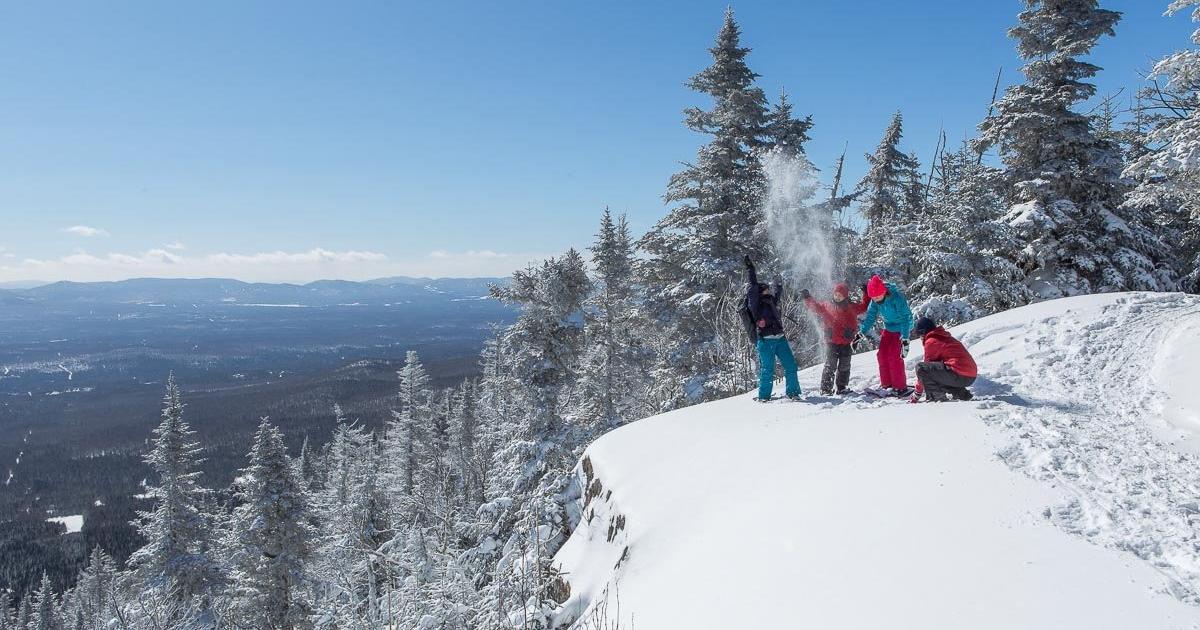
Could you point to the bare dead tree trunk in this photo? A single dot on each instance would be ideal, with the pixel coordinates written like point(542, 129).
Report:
point(991, 107)
point(937, 152)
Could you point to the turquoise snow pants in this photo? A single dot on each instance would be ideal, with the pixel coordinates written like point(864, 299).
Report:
point(770, 349)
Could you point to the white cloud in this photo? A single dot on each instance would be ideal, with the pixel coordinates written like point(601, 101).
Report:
point(315, 255)
point(85, 231)
point(270, 266)
point(484, 254)
point(176, 246)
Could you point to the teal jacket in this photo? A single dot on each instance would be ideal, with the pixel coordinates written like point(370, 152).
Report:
point(897, 316)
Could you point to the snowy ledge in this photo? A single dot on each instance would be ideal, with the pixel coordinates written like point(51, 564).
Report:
point(1039, 505)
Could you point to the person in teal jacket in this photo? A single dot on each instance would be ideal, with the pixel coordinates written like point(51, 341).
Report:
point(889, 302)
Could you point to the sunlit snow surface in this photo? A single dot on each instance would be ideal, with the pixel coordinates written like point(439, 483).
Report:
point(1065, 496)
point(73, 523)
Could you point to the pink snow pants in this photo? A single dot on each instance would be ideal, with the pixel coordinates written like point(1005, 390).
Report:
point(891, 364)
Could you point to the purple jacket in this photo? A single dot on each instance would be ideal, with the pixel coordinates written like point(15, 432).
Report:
point(765, 309)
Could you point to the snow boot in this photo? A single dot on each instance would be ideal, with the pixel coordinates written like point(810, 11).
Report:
point(902, 393)
point(963, 394)
point(795, 398)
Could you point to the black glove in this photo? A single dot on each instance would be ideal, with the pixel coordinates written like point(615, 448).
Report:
point(864, 290)
point(860, 341)
point(904, 349)
point(746, 261)
point(805, 294)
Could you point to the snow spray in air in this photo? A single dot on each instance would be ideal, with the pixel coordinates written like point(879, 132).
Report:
point(798, 229)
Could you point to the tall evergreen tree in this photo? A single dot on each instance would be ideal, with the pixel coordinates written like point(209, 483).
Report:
point(886, 200)
point(784, 131)
point(695, 251)
point(881, 191)
point(1166, 162)
point(467, 438)
point(94, 594)
point(6, 611)
point(537, 448)
point(178, 556)
point(964, 248)
point(406, 433)
point(45, 607)
point(270, 540)
point(1063, 178)
point(547, 335)
point(351, 508)
point(615, 362)
point(23, 613)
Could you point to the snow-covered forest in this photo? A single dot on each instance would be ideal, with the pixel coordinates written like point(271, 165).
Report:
point(451, 516)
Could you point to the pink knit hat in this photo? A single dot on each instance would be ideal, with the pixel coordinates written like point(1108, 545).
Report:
point(876, 287)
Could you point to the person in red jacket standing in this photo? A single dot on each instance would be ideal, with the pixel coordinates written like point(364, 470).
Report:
point(840, 318)
point(948, 369)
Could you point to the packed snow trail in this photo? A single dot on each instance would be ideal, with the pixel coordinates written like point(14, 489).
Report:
point(858, 513)
point(1086, 410)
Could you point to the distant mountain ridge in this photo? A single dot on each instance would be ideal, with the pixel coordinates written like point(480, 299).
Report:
point(223, 290)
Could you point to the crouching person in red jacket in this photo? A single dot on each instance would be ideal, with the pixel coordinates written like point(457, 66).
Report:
point(840, 318)
point(948, 369)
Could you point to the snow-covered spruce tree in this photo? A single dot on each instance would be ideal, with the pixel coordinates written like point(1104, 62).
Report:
point(44, 611)
point(694, 252)
point(178, 559)
point(536, 448)
point(6, 611)
point(435, 494)
point(471, 469)
point(1166, 166)
point(886, 200)
point(405, 433)
point(614, 367)
point(270, 540)
point(352, 511)
point(1063, 180)
point(964, 260)
point(785, 132)
point(547, 336)
point(306, 461)
point(94, 595)
point(21, 621)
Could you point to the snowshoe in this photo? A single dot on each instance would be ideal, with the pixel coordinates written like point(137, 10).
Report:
point(795, 398)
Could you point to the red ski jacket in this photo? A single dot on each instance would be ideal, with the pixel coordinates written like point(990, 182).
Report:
point(941, 347)
point(841, 320)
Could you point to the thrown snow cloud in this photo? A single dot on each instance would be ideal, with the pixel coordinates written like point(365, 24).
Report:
point(797, 228)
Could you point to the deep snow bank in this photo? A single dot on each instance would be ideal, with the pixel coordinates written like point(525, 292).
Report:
point(1051, 502)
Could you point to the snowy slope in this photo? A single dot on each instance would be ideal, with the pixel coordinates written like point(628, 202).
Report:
point(1065, 497)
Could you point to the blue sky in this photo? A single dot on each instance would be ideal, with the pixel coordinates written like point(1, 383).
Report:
point(295, 141)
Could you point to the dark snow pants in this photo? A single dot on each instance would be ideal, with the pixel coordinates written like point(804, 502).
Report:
point(837, 361)
point(938, 380)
